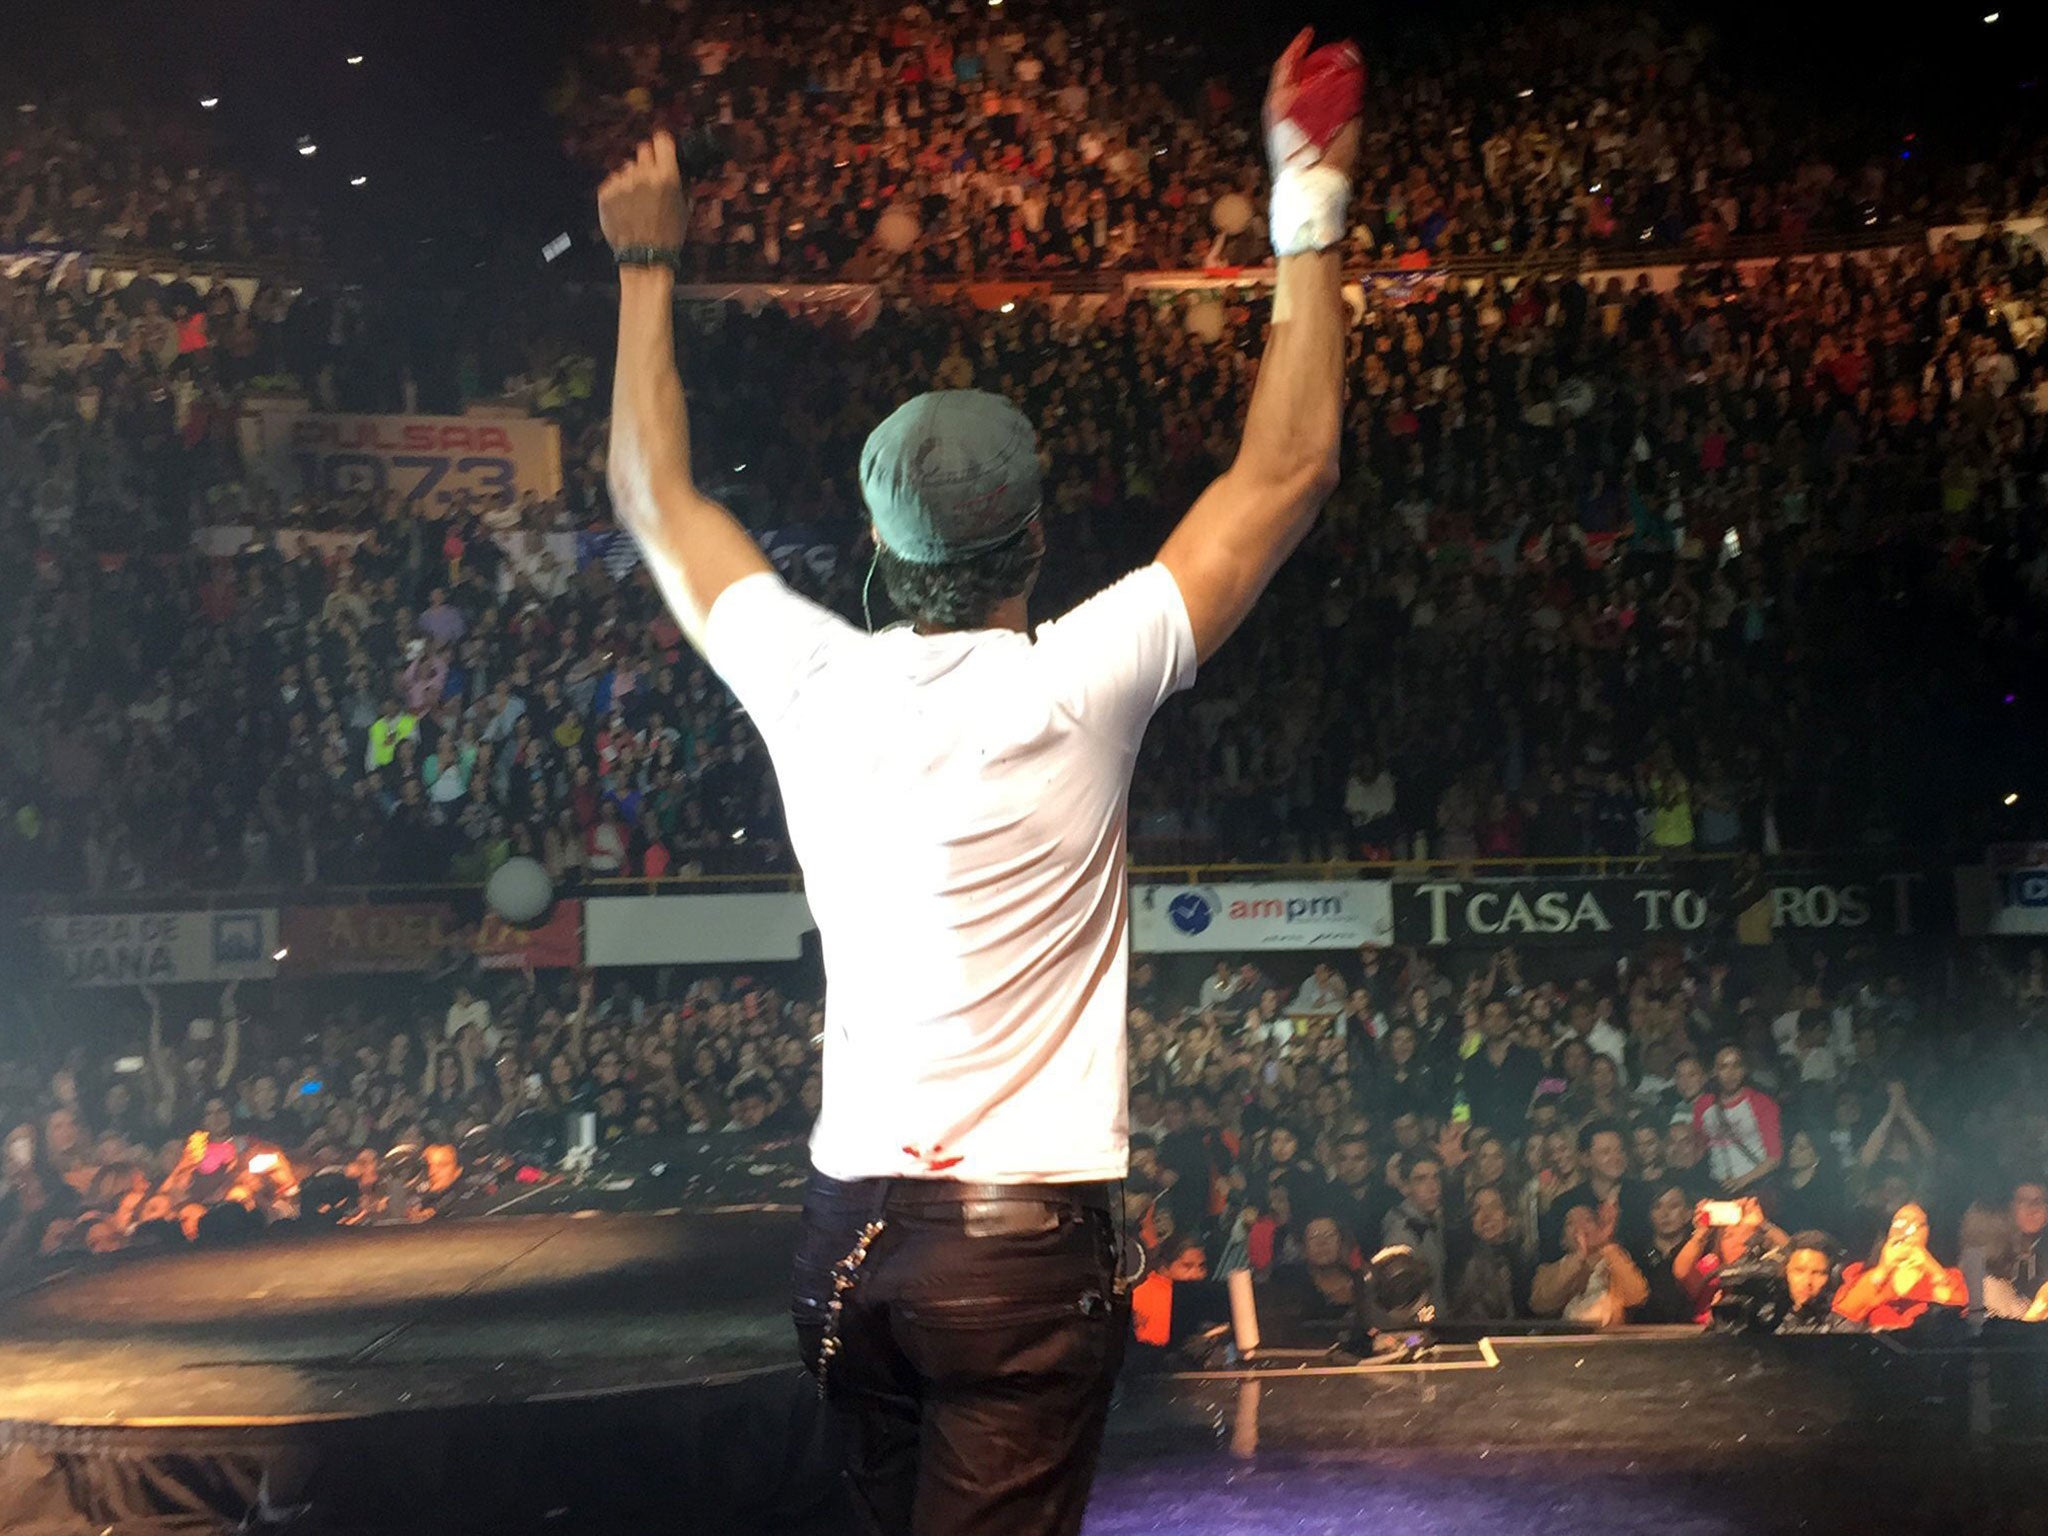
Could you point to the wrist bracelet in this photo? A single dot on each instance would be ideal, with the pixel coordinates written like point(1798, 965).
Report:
point(670, 256)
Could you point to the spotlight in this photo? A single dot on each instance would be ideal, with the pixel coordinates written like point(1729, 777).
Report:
point(2012, 799)
point(307, 148)
point(359, 181)
point(26, 109)
point(2012, 698)
point(208, 103)
point(263, 1162)
point(355, 58)
point(1525, 92)
point(1008, 305)
point(1990, 18)
point(739, 468)
point(279, 954)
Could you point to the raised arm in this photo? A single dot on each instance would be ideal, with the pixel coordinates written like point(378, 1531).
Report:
point(163, 1068)
point(694, 547)
point(1241, 528)
point(230, 1037)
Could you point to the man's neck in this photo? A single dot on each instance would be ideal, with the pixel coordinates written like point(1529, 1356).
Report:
point(1010, 613)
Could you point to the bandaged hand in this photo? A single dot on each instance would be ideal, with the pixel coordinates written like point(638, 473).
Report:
point(1311, 120)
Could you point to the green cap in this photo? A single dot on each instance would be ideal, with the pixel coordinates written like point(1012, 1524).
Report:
point(951, 473)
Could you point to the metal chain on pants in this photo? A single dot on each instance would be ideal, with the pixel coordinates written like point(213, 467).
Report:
point(844, 1274)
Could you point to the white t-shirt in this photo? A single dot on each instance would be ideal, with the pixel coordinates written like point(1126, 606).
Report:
point(957, 802)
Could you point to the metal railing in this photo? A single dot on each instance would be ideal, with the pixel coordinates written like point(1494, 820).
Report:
point(1150, 871)
point(1534, 263)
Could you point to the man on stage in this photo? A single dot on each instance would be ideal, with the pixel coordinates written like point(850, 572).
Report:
point(955, 791)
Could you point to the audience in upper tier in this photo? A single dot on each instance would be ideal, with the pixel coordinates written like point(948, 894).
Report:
point(961, 139)
point(96, 176)
point(1753, 562)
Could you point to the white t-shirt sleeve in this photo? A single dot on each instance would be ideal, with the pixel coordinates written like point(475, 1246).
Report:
point(766, 642)
point(1124, 652)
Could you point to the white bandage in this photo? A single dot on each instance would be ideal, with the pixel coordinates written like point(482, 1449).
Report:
point(1310, 203)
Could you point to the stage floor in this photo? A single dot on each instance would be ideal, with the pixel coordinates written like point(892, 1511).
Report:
point(507, 1309)
point(618, 1372)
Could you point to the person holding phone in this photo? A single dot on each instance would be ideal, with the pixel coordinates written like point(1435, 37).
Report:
point(1726, 1234)
point(1897, 1289)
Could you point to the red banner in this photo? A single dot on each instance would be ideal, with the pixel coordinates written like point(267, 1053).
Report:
point(556, 944)
point(417, 936)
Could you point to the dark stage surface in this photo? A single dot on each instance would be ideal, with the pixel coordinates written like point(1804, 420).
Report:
point(355, 1322)
point(618, 1371)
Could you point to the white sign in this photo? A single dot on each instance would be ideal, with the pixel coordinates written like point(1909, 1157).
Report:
point(131, 949)
point(694, 930)
point(425, 460)
point(1331, 914)
point(2007, 895)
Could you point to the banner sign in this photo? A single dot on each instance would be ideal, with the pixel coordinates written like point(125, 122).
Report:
point(857, 305)
point(420, 935)
point(695, 930)
point(226, 540)
point(555, 945)
point(424, 459)
point(801, 548)
point(131, 949)
point(1332, 914)
point(2007, 894)
point(1535, 909)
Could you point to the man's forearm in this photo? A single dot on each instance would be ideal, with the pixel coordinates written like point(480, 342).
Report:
point(650, 440)
point(691, 544)
point(1249, 521)
point(1291, 429)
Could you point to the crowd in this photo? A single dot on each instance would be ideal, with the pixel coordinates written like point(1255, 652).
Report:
point(1663, 1137)
point(959, 139)
point(373, 1107)
point(1673, 1141)
point(1752, 563)
point(93, 176)
point(1747, 563)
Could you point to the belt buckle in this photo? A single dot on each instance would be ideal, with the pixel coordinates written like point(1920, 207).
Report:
point(1008, 1218)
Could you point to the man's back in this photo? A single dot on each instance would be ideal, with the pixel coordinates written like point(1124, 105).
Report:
point(957, 801)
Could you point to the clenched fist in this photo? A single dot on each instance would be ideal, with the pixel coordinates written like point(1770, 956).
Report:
point(1312, 106)
point(641, 203)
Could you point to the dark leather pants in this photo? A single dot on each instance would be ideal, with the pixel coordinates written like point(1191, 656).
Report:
point(968, 1338)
